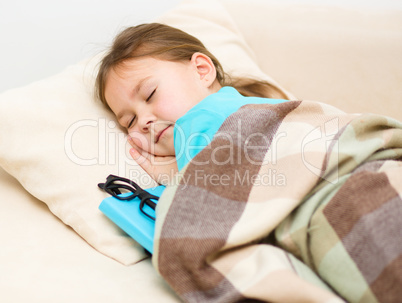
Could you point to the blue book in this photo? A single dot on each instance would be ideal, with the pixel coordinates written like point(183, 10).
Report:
point(127, 215)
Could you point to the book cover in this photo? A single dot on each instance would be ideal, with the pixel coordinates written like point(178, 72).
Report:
point(127, 215)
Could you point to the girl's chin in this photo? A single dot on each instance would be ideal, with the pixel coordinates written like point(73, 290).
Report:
point(161, 154)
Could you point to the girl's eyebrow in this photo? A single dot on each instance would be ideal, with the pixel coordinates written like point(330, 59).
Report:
point(136, 90)
point(119, 116)
point(140, 84)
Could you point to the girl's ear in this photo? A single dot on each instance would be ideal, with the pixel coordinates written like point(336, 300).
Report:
point(205, 69)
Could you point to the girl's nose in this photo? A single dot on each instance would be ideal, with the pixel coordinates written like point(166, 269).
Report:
point(145, 122)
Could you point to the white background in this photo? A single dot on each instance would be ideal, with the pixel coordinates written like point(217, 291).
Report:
point(39, 38)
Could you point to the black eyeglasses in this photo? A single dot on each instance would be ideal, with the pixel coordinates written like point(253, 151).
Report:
point(114, 185)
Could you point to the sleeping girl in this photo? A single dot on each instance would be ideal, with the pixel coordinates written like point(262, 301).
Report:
point(171, 94)
point(331, 232)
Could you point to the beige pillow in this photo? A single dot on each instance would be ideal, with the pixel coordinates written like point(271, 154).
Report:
point(210, 22)
point(59, 142)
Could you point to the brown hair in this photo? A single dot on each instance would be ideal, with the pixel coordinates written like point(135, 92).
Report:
point(169, 43)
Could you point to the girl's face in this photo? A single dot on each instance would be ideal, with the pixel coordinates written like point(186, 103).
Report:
point(148, 95)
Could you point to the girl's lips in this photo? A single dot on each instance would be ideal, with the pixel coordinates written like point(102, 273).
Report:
point(161, 133)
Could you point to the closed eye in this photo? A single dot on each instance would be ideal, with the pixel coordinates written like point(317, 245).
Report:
point(131, 122)
point(150, 96)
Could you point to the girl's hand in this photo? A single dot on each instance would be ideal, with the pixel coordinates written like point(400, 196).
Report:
point(162, 169)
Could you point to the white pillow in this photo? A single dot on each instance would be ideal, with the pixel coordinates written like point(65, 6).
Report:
point(58, 141)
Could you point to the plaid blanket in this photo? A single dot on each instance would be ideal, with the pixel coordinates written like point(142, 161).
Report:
point(295, 202)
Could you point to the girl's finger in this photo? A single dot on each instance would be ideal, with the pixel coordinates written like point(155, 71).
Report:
point(137, 156)
point(130, 141)
point(137, 141)
point(142, 161)
point(144, 153)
